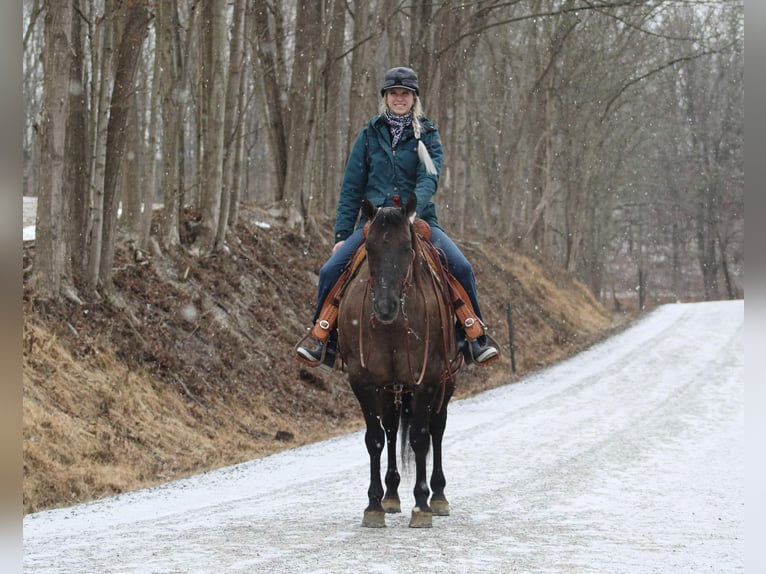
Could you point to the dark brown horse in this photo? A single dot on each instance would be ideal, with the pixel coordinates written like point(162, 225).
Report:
point(397, 339)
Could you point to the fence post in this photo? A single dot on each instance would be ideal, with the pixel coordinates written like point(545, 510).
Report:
point(510, 338)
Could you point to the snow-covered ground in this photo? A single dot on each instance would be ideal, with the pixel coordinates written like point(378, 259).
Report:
point(28, 218)
point(626, 458)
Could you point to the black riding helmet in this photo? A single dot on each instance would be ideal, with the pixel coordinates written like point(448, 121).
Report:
point(400, 78)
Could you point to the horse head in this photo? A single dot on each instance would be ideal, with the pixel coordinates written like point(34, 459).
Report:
point(390, 256)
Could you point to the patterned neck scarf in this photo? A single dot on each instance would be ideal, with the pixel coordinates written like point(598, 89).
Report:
point(396, 125)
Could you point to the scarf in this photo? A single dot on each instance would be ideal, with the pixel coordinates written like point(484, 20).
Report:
point(396, 125)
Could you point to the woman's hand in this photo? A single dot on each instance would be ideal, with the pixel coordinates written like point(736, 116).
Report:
point(337, 246)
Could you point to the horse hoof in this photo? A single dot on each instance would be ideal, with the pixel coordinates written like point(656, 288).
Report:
point(421, 518)
point(440, 507)
point(374, 519)
point(391, 505)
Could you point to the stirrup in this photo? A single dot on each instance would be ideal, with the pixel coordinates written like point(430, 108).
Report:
point(322, 356)
point(479, 354)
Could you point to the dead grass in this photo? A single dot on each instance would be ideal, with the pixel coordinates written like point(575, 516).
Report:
point(96, 428)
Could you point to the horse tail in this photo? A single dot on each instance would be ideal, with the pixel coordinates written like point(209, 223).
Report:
point(405, 422)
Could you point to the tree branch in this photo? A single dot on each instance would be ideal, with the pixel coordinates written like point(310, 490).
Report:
point(642, 77)
point(579, 8)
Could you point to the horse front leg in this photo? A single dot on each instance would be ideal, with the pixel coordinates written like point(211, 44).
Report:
point(439, 503)
point(374, 515)
point(391, 502)
point(419, 441)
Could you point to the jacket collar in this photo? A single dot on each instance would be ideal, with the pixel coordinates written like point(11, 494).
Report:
point(379, 123)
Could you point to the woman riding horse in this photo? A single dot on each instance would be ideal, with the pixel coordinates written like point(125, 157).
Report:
point(398, 153)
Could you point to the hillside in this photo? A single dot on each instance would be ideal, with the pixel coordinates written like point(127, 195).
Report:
point(190, 367)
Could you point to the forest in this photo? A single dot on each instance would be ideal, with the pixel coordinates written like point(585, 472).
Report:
point(604, 137)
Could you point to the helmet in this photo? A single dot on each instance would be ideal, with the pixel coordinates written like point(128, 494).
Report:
point(400, 78)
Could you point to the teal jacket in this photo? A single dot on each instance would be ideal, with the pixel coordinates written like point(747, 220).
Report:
point(378, 173)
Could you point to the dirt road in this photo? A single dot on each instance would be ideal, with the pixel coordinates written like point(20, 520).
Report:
point(627, 458)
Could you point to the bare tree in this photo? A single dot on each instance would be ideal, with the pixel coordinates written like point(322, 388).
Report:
point(54, 115)
point(713, 96)
point(605, 138)
point(102, 69)
point(301, 110)
point(77, 160)
point(365, 78)
point(130, 182)
point(128, 56)
point(32, 80)
point(239, 168)
point(149, 186)
point(169, 57)
point(270, 72)
point(212, 106)
point(329, 157)
point(232, 120)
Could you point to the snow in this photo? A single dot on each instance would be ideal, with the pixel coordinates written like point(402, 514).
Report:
point(626, 458)
point(28, 218)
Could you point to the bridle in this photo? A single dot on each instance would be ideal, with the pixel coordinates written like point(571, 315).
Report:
point(407, 283)
point(416, 255)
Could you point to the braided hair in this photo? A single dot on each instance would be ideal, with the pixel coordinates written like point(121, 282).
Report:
point(417, 116)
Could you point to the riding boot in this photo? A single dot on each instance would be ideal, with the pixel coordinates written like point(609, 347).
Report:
point(481, 353)
point(475, 350)
point(322, 355)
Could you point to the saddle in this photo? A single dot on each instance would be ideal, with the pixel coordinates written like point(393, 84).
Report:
point(451, 287)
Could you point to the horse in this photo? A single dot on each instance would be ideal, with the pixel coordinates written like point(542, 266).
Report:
point(396, 338)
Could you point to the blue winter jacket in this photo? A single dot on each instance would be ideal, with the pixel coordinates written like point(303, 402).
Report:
point(378, 173)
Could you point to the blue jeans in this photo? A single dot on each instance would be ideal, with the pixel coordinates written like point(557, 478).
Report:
point(458, 265)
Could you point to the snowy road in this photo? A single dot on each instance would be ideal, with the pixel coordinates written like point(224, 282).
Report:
point(627, 458)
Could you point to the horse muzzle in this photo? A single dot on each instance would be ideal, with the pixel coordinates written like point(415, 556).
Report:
point(385, 309)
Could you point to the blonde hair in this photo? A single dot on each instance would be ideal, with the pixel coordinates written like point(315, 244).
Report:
point(417, 115)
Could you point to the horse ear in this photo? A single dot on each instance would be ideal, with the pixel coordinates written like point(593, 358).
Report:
point(410, 207)
point(368, 209)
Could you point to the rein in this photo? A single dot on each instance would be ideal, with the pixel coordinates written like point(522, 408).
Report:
point(407, 330)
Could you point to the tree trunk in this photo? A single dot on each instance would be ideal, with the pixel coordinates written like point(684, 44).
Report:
point(149, 173)
point(731, 292)
point(78, 168)
point(213, 96)
point(130, 187)
point(332, 162)
point(363, 95)
point(239, 179)
point(128, 56)
point(168, 53)
point(706, 248)
point(269, 71)
point(104, 85)
point(232, 121)
point(32, 43)
point(302, 111)
point(641, 289)
point(54, 114)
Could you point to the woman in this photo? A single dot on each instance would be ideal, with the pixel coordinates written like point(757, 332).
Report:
point(398, 152)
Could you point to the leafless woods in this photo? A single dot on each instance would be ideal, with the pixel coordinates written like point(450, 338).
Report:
point(606, 137)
